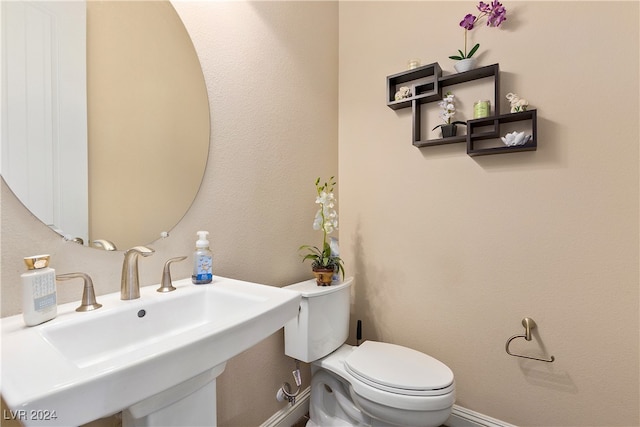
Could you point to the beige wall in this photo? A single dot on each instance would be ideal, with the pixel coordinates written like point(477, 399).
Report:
point(271, 73)
point(451, 252)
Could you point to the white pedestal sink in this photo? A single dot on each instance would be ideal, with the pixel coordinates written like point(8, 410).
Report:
point(154, 358)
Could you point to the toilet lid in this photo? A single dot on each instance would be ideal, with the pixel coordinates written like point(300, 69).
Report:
point(398, 369)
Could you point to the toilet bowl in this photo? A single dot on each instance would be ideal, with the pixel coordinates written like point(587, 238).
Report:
point(380, 384)
point(374, 384)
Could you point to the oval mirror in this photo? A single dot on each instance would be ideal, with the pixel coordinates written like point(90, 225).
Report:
point(113, 145)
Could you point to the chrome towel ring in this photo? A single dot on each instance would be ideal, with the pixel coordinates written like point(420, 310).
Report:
point(529, 325)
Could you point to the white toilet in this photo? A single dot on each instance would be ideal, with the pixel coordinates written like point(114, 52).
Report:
point(374, 384)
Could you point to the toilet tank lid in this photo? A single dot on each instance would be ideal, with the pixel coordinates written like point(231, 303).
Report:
point(310, 289)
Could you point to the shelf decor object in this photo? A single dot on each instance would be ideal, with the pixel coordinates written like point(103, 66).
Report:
point(476, 133)
point(465, 64)
point(495, 13)
point(447, 111)
point(517, 104)
point(426, 85)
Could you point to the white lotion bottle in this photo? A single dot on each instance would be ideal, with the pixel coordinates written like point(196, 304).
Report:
point(202, 261)
point(39, 302)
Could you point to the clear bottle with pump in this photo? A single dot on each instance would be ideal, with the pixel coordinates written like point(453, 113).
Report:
point(202, 261)
point(39, 302)
point(335, 251)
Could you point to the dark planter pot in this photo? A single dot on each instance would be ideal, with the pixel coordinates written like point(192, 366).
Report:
point(449, 130)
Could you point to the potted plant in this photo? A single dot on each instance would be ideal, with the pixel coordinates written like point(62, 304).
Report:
point(448, 107)
point(324, 262)
point(495, 13)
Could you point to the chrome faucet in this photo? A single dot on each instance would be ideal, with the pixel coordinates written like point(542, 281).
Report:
point(130, 284)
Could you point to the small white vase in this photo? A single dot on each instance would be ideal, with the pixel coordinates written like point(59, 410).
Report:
point(465, 64)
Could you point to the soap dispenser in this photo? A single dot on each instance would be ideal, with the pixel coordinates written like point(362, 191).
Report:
point(202, 261)
point(38, 291)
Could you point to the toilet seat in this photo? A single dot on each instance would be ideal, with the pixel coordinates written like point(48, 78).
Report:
point(399, 370)
point(367, 393)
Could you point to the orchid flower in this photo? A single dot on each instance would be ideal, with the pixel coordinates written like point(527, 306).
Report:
point(495, 13)
point(448, 110)
point(326, 219)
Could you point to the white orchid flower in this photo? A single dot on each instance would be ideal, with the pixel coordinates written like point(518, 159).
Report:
point(317, 221)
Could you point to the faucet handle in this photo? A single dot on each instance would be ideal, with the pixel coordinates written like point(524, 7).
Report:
point(166, 285)
point(88, 295)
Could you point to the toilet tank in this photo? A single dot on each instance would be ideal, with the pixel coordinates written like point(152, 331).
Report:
point(322, 324)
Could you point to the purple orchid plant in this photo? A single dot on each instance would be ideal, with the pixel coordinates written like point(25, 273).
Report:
point(495, 13)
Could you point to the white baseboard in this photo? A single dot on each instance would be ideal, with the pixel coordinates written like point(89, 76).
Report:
point(460, 417)
point(463, 417)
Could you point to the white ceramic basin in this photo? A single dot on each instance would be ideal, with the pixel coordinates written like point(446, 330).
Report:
point(82, 366)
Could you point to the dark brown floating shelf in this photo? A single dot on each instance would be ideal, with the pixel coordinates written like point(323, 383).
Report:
point(424, 85)
point(467, 76)
point(440, 141)
point(427, 83)
point(473, 137)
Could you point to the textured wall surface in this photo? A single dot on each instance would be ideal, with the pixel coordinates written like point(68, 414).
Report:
point(451, 252)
